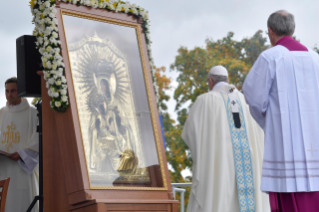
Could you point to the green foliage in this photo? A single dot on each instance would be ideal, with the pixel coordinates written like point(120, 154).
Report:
point(193, 66)
point(35, 100)
point(163, 84)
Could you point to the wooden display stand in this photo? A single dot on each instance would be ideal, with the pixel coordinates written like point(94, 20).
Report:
point(65, 172)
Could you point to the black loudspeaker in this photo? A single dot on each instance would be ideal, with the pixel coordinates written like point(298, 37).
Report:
point(28, 63)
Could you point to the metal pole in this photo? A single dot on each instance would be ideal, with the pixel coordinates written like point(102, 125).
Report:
point(173, 190)
point(182, 201)
point(182, 191)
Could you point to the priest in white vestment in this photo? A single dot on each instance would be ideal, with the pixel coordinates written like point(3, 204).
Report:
point(282, 90)
point(19, 146)
point(227, 149)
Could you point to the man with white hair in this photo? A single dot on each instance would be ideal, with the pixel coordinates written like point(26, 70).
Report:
point(227, 148)
point(282, 90)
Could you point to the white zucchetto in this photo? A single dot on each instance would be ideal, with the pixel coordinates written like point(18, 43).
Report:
point(219, 71)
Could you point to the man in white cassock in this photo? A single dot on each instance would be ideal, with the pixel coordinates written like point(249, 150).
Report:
point(282, 90)
point(19, 146)
point(227, 149)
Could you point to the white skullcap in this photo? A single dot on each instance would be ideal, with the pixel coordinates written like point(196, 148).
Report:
point(219, 71)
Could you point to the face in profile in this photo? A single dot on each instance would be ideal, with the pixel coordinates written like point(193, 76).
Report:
point(12, 94)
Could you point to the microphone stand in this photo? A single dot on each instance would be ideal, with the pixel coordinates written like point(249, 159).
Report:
point(39, 130)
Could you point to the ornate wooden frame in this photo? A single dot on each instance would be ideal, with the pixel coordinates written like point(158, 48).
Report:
point(66, 180)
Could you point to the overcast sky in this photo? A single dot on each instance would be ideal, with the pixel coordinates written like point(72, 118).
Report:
point(174, 23)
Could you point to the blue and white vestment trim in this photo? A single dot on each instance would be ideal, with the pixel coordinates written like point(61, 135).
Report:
point(242, 158)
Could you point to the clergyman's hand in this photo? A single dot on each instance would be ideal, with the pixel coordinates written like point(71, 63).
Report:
point(14, 156)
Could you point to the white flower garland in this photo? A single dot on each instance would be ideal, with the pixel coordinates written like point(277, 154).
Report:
point(48, 41)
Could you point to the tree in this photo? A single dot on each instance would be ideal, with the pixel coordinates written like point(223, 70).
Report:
point(163, 84)
point(35, 100)
point(172, 132)
point(253, 47)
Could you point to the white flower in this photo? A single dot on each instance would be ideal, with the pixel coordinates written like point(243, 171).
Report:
point(52, 15)
point(46, 43)
point(46, 75)
point(41, 22)
point(46, 11)
point(63, 92)
point(53, 72)
point(111, 6)
point(47, 20)
point(51, 81)
point(56, 94)
point(50, 93)
point(54, 67)
point(101, 5)
point(57, 104)
point(48, 49)
point(47, 4)
point(52, 51)
point(37, 18)
point(47, 55)
point(41, 50)
point(119, 8)
point(58, 83)
point(126, 7)
point(44, 59)
point(134, 11)
point(52, 40)
point(144, 14)
point(64, 86)
point(52, 90)
point(64, 98)
point(55, 21)
point(40, 40)
point(54, 34)
point(57, 57)
point(60, 74)
point(63, 79)
point(47, 83)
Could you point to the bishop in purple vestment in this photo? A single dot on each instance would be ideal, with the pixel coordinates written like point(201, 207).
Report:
point(282, 90)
